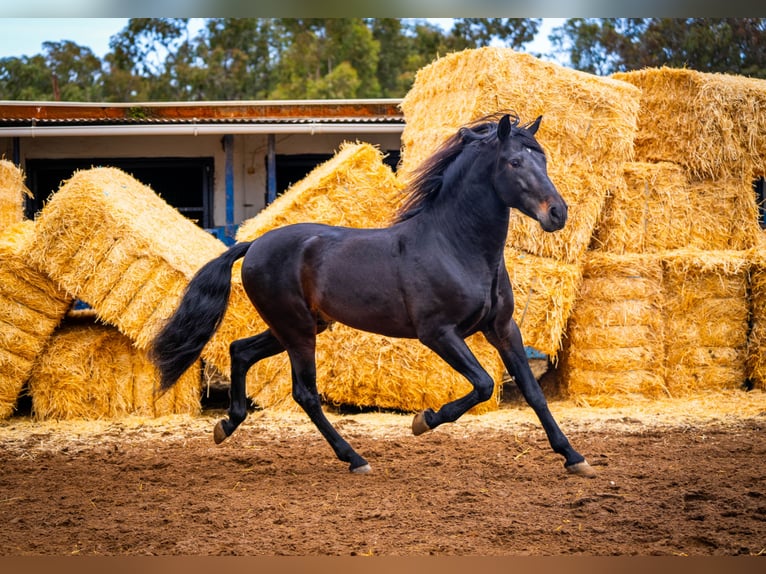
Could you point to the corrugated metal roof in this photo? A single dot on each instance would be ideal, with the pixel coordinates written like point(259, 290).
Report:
point(40, 114)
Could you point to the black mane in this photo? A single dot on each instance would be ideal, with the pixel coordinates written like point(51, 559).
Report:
point(429, 176)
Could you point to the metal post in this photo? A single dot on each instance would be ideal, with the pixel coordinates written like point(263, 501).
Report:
point(271, 170)
point(228, 146)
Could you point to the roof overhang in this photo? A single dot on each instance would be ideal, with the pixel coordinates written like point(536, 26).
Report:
point(67, 119)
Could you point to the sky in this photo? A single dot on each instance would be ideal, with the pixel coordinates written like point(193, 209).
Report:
point(25, 36)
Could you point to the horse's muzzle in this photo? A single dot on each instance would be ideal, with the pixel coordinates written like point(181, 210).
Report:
point(554, 217)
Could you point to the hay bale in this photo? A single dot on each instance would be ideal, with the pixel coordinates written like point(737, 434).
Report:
point(724, 215)
point(112, 242)
point(588, 127)
point(356, 189)
point(31, 306)
point(614, 347)
point(706, 314)
point(756, 343)
point(92, 371)
point(12, 192)
point(544, 291)
point(714, 125)
point(652, 212)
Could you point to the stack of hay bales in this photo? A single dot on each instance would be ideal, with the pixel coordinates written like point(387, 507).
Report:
point(688, 207)
point(706, 314)
point(615, 334)
point(31, 307)
point(587, 131)
point(12, 192)
point(110, 241)
point(92, 371)
point(714, 126)
point(354, 189)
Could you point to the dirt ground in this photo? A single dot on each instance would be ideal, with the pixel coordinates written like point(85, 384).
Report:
point(674, 478)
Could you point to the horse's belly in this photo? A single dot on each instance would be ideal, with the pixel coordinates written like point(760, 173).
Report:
point(376, 311)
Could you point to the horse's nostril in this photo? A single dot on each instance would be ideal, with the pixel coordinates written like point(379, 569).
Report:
point(557, 214)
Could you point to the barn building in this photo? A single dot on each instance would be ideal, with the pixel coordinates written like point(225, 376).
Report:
point(219, 163)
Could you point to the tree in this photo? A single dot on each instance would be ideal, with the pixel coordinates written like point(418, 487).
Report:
point(76, 71)
point(315, 47)
point(604, 46)
point(25, 78)
point(479, 32)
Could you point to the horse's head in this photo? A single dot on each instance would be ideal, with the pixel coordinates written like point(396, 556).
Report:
point(521, 178)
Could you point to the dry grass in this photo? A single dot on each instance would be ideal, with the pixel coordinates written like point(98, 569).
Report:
point(112, 242)
point(714, 125)
point(706, 313)
point(12, 193)
point(614, 346)
point(31, 306)
point(92, 371)
point(544, 291)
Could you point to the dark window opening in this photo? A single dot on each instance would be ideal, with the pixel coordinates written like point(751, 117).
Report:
point(291, 169)
point(185, 183)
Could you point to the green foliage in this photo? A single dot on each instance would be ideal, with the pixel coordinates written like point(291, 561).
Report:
point(725, 45)
point(155, 59)
point(251, 58)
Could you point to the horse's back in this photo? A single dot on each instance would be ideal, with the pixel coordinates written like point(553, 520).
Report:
point(342, 274)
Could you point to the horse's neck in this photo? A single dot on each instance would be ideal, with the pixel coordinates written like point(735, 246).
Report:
point(474, 217)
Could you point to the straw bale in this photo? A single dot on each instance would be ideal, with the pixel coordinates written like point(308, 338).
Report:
point(356, 189)
point(588, 127)
point(652, 212)
point(706, 316)
point(12, 192)
point(92, 371)
point(714, 125)
point(614, 348)
point(545, 291)
point(756, 345)
point(31, 306)
point(725, 214)
point(111, 241)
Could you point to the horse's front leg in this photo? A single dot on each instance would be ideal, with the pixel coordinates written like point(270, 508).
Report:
point(508, 342)
point(244, 354)
point(453, 349)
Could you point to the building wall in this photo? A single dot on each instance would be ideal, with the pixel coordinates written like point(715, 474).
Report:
point(249, 157)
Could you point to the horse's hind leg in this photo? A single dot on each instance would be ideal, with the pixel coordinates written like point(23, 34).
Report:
point(244, 354)
point(302, 359)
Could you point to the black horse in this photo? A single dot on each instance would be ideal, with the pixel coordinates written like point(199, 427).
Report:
point(437, 274)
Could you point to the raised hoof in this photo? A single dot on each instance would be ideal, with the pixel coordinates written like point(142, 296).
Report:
point(419, 424)
point(364, 469)
point(219, 435)
point(582, 469)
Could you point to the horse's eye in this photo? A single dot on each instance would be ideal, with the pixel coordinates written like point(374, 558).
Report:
point(515, 163)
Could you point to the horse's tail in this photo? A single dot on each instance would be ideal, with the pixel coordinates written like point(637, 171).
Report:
point(197, 318)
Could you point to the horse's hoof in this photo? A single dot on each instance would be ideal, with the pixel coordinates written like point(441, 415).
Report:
point(219, 435)
point(364, 469)
point(419, 424)
point(582, 469)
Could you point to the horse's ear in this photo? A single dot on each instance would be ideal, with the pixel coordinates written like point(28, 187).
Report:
point(504, 127)
point(532, 128)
